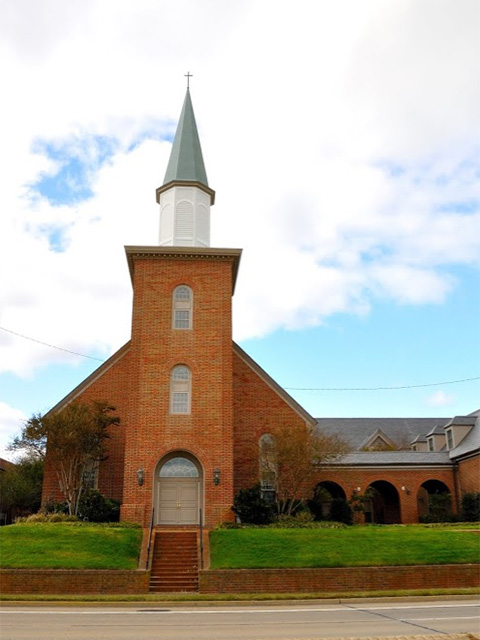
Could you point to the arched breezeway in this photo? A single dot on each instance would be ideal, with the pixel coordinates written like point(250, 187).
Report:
point(323, 496)
point(433, 500)
point(383, 506)
point(178, 490)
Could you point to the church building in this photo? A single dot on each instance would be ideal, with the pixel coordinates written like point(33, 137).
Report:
point(194, 407)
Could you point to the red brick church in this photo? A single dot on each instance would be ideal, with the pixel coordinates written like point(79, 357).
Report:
point(194, 407)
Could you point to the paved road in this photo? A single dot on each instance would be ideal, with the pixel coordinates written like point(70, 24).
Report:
point(260, 622)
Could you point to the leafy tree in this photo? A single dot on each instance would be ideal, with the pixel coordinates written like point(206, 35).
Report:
point(71, 441)
point(21, 487)
point(297, 458)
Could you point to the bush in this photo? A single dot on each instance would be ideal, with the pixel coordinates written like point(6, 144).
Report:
point(95, 507)
point(340, 511)
point(439, 508)
point(471, 507)
point(42, 518)
point(251, 507)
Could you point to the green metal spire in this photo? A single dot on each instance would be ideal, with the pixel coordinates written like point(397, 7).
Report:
point(186, 160)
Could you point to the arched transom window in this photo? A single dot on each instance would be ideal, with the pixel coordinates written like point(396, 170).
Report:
point(180, 389)
point(179, 468)
point(182, 307)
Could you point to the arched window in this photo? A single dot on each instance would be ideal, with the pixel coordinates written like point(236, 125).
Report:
point(267, 458)
point(179, 468)
point(180, 389)
point(182, 307)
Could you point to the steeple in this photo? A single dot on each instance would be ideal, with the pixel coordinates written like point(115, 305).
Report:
point(185, 196)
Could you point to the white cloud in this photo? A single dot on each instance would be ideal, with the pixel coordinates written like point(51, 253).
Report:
point(11, 420)
point(340, 138)
point(440, 399)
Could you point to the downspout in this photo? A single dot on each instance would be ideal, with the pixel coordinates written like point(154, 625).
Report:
point(458, 488)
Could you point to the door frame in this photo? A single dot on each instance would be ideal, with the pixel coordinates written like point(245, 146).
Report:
point(158, 480)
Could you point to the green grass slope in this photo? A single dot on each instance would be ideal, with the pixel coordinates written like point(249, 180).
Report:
point(69, 546)
point(352, 547)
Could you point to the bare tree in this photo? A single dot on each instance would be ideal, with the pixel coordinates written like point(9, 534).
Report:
point(294, 460)
point(71, 441)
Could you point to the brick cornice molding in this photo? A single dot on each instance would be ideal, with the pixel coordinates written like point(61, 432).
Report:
point(135, 253)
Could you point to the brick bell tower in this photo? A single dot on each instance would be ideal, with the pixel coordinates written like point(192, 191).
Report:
point(179, 441)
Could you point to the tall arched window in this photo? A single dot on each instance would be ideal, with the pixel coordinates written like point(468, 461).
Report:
point(267, 458)
point(180, 389)
point(182, 307)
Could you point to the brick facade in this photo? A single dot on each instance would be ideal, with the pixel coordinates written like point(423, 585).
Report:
point(469, 475)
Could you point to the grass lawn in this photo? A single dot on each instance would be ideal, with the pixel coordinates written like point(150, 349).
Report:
point(68, 546)
point(355, 546)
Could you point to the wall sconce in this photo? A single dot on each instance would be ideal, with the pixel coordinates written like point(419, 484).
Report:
point(406, 490)
point(216, 476)
point(140, 477)
point(358, 489)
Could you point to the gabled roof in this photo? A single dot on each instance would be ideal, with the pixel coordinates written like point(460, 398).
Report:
point(103, 368)
point(470, 443)
point(355, 431)
point(374, 437)
point(273, 385)
point(186, 159)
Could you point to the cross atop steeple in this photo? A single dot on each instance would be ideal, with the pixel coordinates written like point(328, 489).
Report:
point(185, 197)
point(188, 75)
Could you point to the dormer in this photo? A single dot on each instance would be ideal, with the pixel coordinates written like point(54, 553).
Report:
point(456, 430)
point(420, 443)
point(436, 439)
point(185, 197)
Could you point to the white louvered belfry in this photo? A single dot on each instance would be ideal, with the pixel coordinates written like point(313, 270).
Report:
point(184, 217)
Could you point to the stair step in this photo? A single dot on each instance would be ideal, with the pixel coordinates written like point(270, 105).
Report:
point(174, 564)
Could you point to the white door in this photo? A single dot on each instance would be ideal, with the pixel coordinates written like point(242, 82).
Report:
point(178, 492)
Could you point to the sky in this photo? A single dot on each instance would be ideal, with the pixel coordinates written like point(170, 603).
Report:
point(342, 139)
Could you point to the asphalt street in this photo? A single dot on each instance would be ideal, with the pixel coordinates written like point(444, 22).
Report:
point(247, 622)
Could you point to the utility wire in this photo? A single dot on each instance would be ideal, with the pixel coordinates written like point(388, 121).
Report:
point(411, 386)
point(52, 346)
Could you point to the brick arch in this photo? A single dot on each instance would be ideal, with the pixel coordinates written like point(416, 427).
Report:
point(427, 489)
point(324, 493)
point(384, 504)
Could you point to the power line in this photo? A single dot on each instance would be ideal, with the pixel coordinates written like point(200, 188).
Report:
point(411, 386)
point(52, 346)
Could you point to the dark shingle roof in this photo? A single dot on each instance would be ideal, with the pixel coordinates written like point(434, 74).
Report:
point(400, 430)
point(470, 443)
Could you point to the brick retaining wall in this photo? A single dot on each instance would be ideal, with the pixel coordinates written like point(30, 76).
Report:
point(64, 581)
point(340, 580)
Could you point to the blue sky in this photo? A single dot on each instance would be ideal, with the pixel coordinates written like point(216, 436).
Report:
point(343, 144)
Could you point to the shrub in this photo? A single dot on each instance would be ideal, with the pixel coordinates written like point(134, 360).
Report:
point(471, 507)
point(95, 507)
point(340, 511)
point(251, 507)
point(42, 518)
point(439, 508)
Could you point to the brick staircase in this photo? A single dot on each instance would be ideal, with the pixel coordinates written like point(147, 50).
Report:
point(174, 565)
